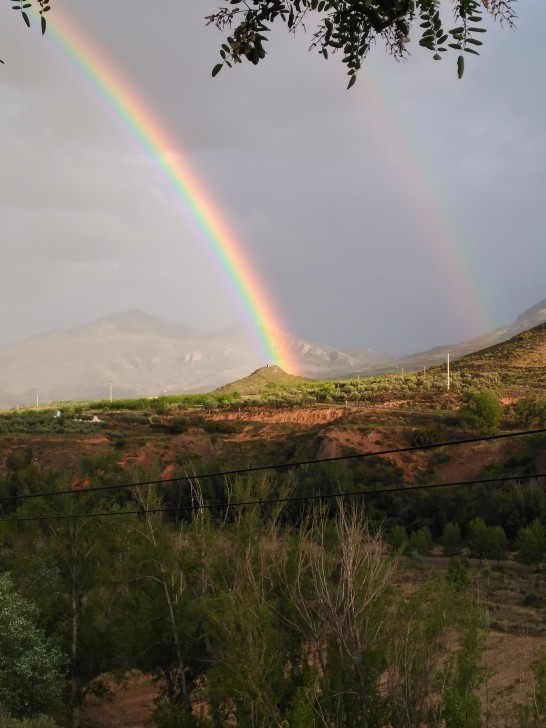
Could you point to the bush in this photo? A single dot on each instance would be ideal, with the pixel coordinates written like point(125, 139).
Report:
point(425, 436)
point(178, 425)
point(39, 721)
point(398, 539)
point(531, 544)
point(169, 715)
point(420, 542)
point(481, 410)
point(451, 539)
point(531, 410)
point(222, 427)
point(457, 574)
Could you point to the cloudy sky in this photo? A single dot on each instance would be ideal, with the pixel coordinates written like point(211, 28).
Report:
point(403, 214)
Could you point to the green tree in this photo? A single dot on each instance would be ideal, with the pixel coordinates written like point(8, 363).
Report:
point(422, 677)
point(477, 537)
point(451, 539)
point(485, 541)
point(420, 542)
point(462, 706)
point(30, 663)
point(353, 28)
point(531, 544)
point(531, 410)
point(497, 545)
point(59, 562)
point(481, 410)
point(398, 538)
point(341, 597)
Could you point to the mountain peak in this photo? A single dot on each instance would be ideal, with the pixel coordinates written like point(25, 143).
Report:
point(136, 322)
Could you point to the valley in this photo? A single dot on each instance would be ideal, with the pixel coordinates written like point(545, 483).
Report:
point(253, 550)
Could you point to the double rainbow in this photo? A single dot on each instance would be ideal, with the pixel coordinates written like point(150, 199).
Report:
point(147, 130)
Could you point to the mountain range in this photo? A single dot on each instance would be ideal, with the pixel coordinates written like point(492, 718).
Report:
point(135, 354)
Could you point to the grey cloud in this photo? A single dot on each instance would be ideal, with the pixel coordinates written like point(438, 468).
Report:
point(310, 177)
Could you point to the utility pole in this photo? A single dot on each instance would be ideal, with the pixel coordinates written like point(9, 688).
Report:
point(448, 376)
point(110, 385)
point(37, 400)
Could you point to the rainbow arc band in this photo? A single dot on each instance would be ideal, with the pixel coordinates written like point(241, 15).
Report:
point(248, 290)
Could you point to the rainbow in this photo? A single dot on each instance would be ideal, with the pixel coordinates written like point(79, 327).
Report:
point(242, 280)
point(401, 147)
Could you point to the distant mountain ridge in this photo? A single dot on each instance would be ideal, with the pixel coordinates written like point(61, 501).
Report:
point(142, 355)
point(531, 317)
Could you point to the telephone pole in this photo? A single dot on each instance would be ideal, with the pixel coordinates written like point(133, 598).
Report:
point(448, 376)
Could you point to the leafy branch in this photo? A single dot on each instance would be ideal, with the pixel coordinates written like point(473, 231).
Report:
point(21, 6)
point(352, 27)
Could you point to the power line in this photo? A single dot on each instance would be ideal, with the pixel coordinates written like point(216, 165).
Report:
point(275, 501)
point(273, 466)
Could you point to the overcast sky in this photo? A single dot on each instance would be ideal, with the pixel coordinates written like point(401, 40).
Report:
point(406, 213)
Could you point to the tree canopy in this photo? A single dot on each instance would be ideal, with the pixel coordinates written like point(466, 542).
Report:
point(30, 663)
point(353, 27)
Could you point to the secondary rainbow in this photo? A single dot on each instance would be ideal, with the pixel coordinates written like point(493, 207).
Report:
point(457, 268)
point(249, 291)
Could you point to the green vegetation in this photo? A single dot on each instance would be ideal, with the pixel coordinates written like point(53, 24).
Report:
point(481, 410)
point(274, 613)
point(30, 663)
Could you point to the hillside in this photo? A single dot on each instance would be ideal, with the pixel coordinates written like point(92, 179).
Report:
point(532, 317)
point(267, 378)
point(225, 575)
point(519, 363)
point(139, 355)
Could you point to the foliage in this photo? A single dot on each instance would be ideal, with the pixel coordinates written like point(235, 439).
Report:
point(426, 682)
point(354, 27)
point(535, 715)
point(420, 542)
point(462, 705)
point(531, 410)
point(38, 721)
point(457, 574)
point(531, 543)
point(168, 715)
point(451, 539)
point(41, 6)
point(426, 436)
point(45, 421)
point(238, 602)
point(30, 663)
point(486, 541)
point(481, 410)
point(398, 538)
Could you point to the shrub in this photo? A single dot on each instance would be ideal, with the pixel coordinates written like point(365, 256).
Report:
point(451, 539)
point(425, 436)
point(420, 542)
point(481, 410)
point(457, 574)
point(398, 538)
